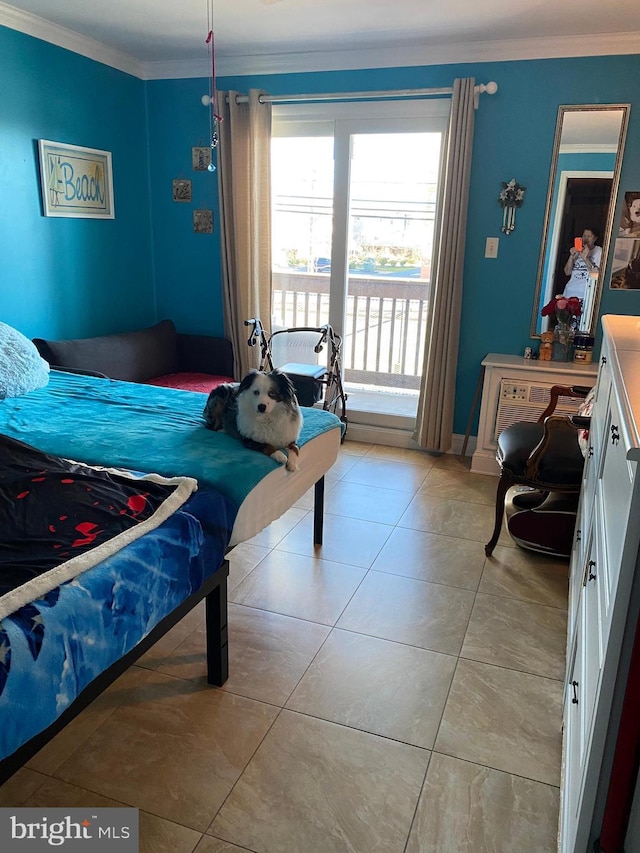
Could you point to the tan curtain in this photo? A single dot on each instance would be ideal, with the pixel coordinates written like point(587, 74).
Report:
point(244, 163)
point(434, 422)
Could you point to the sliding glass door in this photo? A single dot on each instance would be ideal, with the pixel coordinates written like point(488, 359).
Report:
point(354, 203)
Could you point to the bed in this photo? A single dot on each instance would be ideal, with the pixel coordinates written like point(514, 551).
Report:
point(138, 428)
point(145, 428)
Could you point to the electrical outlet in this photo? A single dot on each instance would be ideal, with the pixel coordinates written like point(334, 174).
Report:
point(491, 247)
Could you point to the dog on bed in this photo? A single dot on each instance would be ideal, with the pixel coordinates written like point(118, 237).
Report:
point(262, 411)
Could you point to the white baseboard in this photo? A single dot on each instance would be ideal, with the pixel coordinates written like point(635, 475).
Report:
point(484, 462)
point(458, 441)
point(400, 438)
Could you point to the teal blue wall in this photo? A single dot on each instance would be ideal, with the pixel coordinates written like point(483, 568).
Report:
point(514, 132)
point(68, 277)
point(187, 265)
point(80, 277)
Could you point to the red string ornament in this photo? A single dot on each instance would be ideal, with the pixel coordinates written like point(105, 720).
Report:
point(214, 118)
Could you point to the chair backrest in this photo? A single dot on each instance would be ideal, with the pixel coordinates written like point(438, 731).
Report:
point(296, 346)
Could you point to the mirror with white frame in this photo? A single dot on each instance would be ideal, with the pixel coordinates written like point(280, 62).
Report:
point(583, 185)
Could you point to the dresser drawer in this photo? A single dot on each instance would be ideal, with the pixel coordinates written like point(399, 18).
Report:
point(598, 579)
point(573, 747)
point(587, 494)
point(614, 490)
point(583, 684)
point(603, 382)
point(600, 405)
point(591, 628)
point(575, 588)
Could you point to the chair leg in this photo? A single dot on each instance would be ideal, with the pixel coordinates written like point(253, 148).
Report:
point(504, 484)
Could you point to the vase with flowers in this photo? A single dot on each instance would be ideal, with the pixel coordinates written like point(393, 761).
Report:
point(563, 313)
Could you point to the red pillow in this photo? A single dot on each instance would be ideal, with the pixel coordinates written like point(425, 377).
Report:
point(203, 382)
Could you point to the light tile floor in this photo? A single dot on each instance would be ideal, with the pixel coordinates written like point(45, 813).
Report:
point(393, 691)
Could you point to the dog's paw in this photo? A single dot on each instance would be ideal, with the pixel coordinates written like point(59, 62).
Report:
point(292, 461)
point(279, 456)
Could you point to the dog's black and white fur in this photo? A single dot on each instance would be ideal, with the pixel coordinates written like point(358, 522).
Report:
point(262, 411)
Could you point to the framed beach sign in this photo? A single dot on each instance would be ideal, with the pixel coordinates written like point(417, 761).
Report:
point(76, 181)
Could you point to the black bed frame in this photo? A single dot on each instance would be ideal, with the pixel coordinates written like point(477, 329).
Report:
point(318, 511)
point(214, 590)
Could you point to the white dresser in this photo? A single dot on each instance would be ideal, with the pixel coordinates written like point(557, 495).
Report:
point(604, 593)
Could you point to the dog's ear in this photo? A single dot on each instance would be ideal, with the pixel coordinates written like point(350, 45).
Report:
point(215, 405)
point(247, 382)
point(223, 392)
point(220, 392)
point(284, 385)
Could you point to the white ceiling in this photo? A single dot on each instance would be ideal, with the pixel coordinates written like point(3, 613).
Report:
point(299, 34)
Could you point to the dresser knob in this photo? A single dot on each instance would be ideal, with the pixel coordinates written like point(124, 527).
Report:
point(603, 360)
point(590, 452)
point(591, 565)
point(615, 434)
point(578, 535)
point(574, 685)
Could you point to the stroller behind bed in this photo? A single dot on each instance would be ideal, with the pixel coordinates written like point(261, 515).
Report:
point(295, 352)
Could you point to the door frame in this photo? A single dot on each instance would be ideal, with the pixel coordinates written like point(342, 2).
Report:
point(343, 120)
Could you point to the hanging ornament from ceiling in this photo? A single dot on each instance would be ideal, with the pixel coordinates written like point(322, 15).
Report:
point(210, 99)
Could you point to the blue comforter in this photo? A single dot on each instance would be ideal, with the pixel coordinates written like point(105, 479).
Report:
point(144, 428)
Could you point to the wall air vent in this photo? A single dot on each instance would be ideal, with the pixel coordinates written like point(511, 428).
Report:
point(526, 401)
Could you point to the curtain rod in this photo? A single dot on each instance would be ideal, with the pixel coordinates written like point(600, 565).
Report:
point(490, 88)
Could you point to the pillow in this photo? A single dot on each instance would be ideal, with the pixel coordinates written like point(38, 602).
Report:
point(21, 368)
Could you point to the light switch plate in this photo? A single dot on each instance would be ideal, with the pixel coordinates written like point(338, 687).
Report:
point(491, 247)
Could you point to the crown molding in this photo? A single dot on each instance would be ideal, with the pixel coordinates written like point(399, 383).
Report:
point(422, 54)
point(181, 69)
point(407, 54)
point(32, 25)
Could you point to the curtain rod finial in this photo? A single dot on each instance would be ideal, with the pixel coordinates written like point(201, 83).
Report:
point(206, 100)
point(490, 88)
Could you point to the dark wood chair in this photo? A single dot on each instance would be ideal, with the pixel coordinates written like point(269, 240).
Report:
point(545, 455)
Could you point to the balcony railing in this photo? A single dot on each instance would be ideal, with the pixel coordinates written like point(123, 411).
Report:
point(384, 331)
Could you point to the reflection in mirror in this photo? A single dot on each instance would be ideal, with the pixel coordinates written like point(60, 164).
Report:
point(583, 183)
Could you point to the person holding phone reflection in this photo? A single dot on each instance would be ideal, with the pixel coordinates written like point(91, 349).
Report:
point(582, 263)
